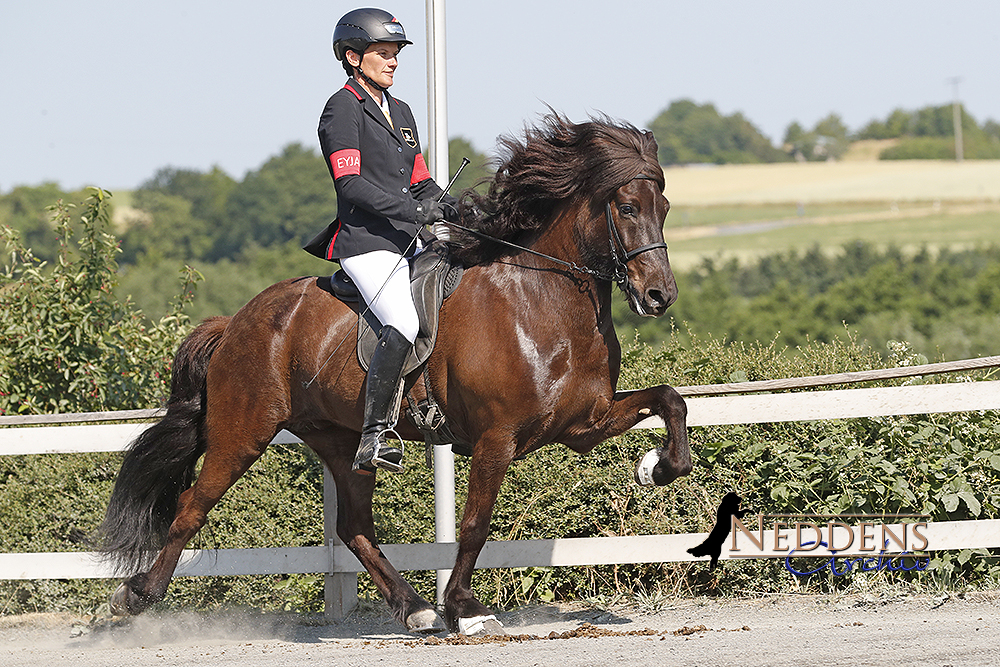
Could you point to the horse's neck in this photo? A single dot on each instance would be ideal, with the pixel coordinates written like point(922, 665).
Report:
point(558, 239)
point(547, 290)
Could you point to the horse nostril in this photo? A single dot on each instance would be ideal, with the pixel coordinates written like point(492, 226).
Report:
point(655, 298)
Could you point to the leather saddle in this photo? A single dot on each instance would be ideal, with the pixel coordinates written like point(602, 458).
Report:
point(433, 278)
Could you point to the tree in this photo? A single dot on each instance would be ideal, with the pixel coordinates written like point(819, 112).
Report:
point(290, 198)
point(477, 170)
point(798, 143)
point(24, 209)
point(166, 228)
point(928, 134)
point(991, 129)
point(689, 133)
point(831, 136)
point(827, 140)
point(898, 124)
point(207, 192)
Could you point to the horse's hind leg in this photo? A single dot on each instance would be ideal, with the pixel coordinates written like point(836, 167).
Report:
point(356, 527)
point(226, 459)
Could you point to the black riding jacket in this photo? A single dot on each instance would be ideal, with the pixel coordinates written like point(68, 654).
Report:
point(378, 171)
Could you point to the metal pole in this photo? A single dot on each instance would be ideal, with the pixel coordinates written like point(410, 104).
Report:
point(956, 113)
point(437, 99)
point(437, 103)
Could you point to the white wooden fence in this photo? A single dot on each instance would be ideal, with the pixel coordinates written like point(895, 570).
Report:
point(707, 405)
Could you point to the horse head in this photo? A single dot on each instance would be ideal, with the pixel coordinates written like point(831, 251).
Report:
point(635, 216)
point(627, 209)
point(586, 193)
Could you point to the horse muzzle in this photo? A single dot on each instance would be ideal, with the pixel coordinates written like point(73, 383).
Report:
point(651, 300)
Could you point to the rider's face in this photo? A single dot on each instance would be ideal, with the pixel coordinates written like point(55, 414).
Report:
point(379, 62)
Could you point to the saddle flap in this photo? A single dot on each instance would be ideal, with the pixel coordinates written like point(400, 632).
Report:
point(433, 277)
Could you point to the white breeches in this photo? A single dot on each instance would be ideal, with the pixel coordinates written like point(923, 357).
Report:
point(383, 278)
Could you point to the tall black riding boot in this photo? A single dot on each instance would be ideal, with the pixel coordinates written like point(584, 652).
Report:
point(385, 372)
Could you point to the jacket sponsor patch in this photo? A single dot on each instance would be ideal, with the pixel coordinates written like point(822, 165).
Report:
point(408, 136)
point(346, 162)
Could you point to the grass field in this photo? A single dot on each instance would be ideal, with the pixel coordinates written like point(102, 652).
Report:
point(749, 210)
point(825, 182)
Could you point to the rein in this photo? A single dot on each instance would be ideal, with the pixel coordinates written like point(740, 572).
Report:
point(619, 254)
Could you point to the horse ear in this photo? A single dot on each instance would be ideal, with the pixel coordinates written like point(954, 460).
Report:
point(651, 139)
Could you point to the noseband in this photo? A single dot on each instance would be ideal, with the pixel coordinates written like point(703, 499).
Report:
point(619, 254)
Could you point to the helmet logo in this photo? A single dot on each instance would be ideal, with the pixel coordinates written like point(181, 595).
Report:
point(394, 28)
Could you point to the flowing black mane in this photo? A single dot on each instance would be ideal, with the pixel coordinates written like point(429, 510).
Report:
point(556, 163)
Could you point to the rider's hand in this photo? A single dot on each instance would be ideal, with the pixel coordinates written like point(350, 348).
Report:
point(451, 212)
point(429, 211)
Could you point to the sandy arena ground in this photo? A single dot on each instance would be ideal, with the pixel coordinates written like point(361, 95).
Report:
point(781, 630)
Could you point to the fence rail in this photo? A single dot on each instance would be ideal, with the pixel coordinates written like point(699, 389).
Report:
point(707, 405)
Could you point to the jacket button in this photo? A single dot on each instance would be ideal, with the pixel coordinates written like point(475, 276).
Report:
point(402, 171)
point(399, 148)
point(404, 191)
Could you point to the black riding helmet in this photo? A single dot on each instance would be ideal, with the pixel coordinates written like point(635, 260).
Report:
point(361, 27)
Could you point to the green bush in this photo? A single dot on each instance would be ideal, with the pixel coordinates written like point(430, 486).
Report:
point(66, 342)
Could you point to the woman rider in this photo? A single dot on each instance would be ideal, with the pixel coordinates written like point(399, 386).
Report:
point(385, 196)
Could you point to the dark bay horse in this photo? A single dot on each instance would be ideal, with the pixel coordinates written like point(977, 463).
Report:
point(526, 355)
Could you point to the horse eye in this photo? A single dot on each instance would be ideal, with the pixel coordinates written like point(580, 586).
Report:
point(626, 209)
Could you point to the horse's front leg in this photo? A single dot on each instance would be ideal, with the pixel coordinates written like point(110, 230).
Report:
point(463, 612)
point(672, 458)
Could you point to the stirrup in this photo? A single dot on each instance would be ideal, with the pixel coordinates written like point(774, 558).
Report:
point(380, 455)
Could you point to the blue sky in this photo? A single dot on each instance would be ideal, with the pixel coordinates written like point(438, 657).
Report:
point(106, 92)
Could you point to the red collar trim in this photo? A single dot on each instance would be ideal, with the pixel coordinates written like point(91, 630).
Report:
point(356, 93)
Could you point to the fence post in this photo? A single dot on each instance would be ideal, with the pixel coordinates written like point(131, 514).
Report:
point(340, 589)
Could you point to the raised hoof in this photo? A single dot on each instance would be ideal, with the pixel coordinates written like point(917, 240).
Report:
point(480, 626)
point(118, 602)
point(425, 621)
point(644, 471)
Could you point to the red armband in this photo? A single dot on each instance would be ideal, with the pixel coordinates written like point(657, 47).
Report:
point(420, 172)
point(346, 162)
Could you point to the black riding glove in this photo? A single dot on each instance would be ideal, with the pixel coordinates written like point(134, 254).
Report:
point(429, 211)
point(451, 212)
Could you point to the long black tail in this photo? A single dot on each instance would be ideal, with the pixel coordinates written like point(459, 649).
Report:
point(159, 465)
